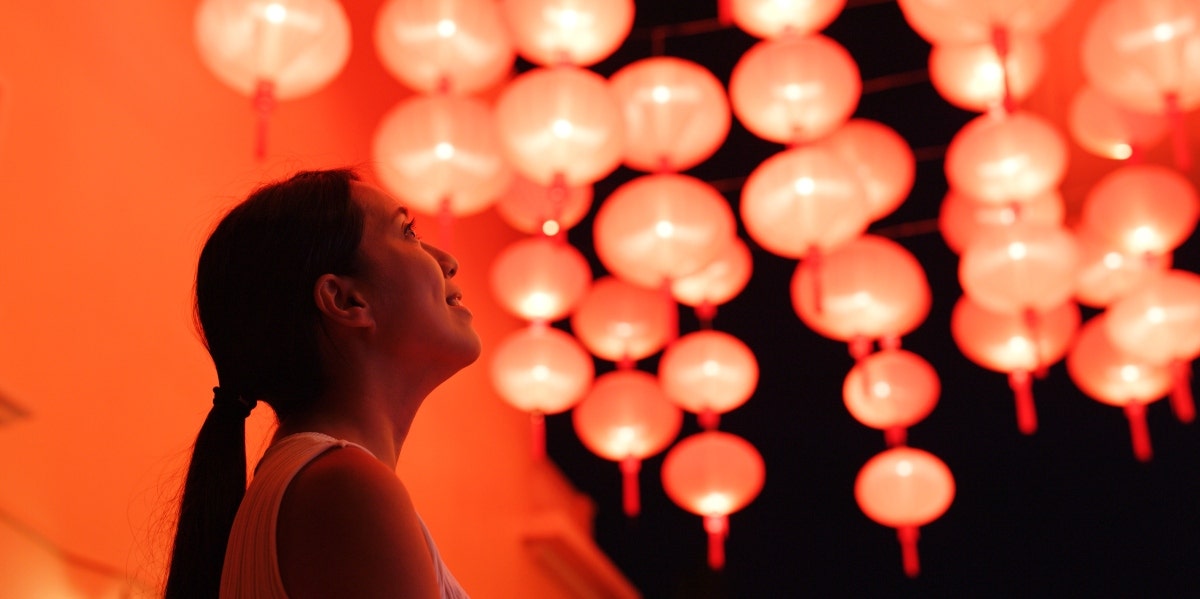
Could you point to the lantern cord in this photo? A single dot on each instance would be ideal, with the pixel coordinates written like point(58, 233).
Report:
point(630, 467)
point(1182, 403)
point(895, 436)
point(1179, 141)
point(1022, 386)
point(717, 528)
point(1139, 431)
point(537, 434)
point(908, 536)
point(708, 419)
point(264, 103)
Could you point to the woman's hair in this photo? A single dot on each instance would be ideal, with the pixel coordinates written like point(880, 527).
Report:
point(259, 321)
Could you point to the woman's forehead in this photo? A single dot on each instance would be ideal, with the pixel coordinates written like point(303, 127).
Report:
point(376, 201)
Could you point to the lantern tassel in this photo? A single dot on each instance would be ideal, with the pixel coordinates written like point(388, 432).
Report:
point(1182, 402)
point(908, 536)
point(708, 419)
point(1022, 386)
point(896, 436)
point(537, 434)
point(446, 224)
point(1179, 141)
point(705, 313)
point(717, 528)
point(630, 467)
point(1135, 411)
point(264, 103)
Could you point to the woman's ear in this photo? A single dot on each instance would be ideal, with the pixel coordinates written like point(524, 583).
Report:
point(339, 300)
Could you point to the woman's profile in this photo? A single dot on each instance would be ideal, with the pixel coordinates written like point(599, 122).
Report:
point(316, 297)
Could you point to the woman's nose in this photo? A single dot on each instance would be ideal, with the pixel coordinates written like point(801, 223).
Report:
point(449, 263)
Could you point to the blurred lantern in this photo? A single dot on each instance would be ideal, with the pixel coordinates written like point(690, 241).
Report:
point(1015, 344)
point(657, 228)
point(547, 209)
point(440, 154)
point(794, 89)
point(803, 199)
point(1106, 273)
point(272, 50)
point(972, 76)
point(972, 21)
point(891, 390)
point(676, 113)
point(1107, 129)
point(713, 474)
point(905, 488)
point(882, 159)
point(1113, 377)
point(722, 280)
point(708, 373)
point(568, 32)
point(1007, 158)
point(775, 18)
point(962, 218)
point(1160, 324)
point(540, 279)
point(561, 126)
point(623, 322)
point(1020, 268)
point(626, 418)
point(1142, 209)
point(541, 370)
point(458, 46)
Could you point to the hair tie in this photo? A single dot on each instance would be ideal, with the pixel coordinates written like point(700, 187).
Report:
point(233, 400)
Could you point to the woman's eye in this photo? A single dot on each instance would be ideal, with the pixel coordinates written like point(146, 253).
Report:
point(410, 229)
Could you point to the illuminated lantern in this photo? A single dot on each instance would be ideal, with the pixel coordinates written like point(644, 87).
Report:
point(971, 21)
point(623, 322)
point(774, 18)
point(541, 370)
point(1113, 377)
point(962, 218)
point(532, 208)
point(540, 279)
point(713, 474)
point(568, 32)
point(882, 159)
point(656, 228)
point(722, 280)
point(1015, 344)
point(708, 373)
point(1142, 209)
point(561, 126)
point(441, 154)
point(1160, 323)
point(972, 76)
point(459, 46)
point(1106, 274)
point(803, 199)
point(1008, 158)
point(626, 418)
point(1107, 129)
point(1019, 268)
point(891, 390)
point(272, 50)
point(905, 488)
point(794, 89)
point(676, 113)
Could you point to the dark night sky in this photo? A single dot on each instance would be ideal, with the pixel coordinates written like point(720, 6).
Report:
point(1067, 511)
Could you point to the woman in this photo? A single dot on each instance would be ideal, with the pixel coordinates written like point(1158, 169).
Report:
point(316, 296)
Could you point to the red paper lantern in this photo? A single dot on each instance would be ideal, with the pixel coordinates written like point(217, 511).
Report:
point(1019, 268)
point(961, 218)
point(620, 321)
point(568, 32)
point(459, 46)
point(775, 18)
point(1142, 209)
point(882, 159)
point(891, 390)
point(905, 488)
point(1106, 273)
point(540, 279)
point(1007, 158)
point(1105, 128)
point(708, 373)
point(549, 210)
point(973, 76)
point(969, 21)
point(720, 281)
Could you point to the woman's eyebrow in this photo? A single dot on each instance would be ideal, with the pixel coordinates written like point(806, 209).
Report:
point(400, 212)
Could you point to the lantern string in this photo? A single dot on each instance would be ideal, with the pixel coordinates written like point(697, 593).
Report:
point(537, 426)
point(1182, 403)
point(630, 467)
point(708, 419)
point(1139, 431)
point(895, 436)
point(908, 536)
point(1022, 385)
point(717, 528)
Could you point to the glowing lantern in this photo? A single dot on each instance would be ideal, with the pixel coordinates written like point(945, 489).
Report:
point(1113, 377)
point(1019, 268)
point(540, 279)
point(568, 32)
point(713, 474)
point(774, 18)
point(794, 89)
point(561, 126)
point(1008, 158)
point(657, 228)
point(1142, 209)
point(1160, 323)
point(973, 77)
point(626, 418)
point(961, 218)
point(623, 322)
point(905, 488)
point(1106, 274)
point(272, 50)
point(459, 46)
point(1019, 345)
point(676, 114)
point(803, 199)
point(708, 373)
point(532, 208)
point(1107, 129)
point(969, 21)
point(884, 162)
point(891, 390)
point(722, 280)
point(441, 154)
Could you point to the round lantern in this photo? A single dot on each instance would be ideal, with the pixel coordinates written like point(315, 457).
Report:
point(708, 373)
point(676, 113)
point(568, 32)
point(1021, 267)
point(973, 76)
point(905, 488)
point(656, 228)
point(1113, 377)
point(459, 46)
point(882, 159)
point(626, 418)
point(962, 218)
point(772, 18)
point(803, 199)
point(891, 390)
point(441, 154)
point(713, 474)
point(1007, 158)
point(561, 126)
point(794, 89)
point(540, 279)
point(722, 280)
point(1106, 274)
point(549, 210)
point(1107, 129)
point(1142, 209)
point(623, 322)
point(973, 21)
